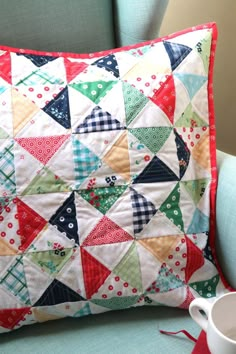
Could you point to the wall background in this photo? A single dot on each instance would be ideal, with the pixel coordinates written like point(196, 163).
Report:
point(187, 13)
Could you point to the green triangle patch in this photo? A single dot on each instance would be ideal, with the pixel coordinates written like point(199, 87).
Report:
point(203, 48)
point(117, 303)
point(206, 288)
point(129, 268)
point(51, 261)
point(94, 90)
point(83, 312)
point(102, 198)
point(190, 118)
point(171, 208)
point(134, 101)
point(46, 182)
point(196, 188)
point(154, 138)
point(3, 134)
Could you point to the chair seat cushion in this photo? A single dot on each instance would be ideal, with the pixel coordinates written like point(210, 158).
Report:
point(128, 331)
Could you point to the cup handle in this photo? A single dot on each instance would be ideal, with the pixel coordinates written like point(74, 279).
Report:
point(194, 310)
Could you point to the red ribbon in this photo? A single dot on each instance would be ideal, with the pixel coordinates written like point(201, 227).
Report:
point(181, 331)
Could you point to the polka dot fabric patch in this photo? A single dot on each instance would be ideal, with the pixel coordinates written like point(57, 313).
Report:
point(107, 179)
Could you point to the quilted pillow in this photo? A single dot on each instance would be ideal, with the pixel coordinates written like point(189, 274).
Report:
point(107, 179)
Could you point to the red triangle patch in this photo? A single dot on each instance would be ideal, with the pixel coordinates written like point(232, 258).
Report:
point(73, 69)
point(106, 232)
point(195, 259)
point(42, 148)
point(30, 224)
point(164, 98)
point(94, 273)
point(10, 317)
point(5, 67)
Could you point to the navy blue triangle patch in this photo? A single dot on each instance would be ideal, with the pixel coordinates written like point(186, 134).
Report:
point(143, 211)
point(108, 63)
point(176, 52)
point(65, 219)
point(38, 60)
point(156, 171)
point(59, 109)
point(183, 154)
point(208, 250)
point(98, 121)
point(58, 293)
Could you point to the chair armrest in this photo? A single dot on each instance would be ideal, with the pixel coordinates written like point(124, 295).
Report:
point(226, 215)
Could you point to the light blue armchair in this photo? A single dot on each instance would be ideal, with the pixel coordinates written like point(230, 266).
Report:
point(93, 25)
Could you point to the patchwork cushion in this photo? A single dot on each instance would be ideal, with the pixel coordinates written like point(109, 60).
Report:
point(108, 178)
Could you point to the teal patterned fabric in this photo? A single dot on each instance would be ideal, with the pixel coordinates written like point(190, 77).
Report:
point(226, 216)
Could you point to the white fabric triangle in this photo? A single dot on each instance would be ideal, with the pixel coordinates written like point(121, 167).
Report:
point(182, 99)
point(72, 274)
point(159, 225)
point(109, 254)
point(87, 217)
point(34, 274)
point(150, 116)
point(40, 125)
point(121, 212)
point(85, 107)
point(174, 298)
point(117, 110)
point(149, 266)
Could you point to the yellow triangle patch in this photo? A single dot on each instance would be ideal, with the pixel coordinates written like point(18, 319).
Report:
point(5, 249)
point(160, 246)
point(201, 152)
point(42, 316)
point(118, 157)
point(23, 109)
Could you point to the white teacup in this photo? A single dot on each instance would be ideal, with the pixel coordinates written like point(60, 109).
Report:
point(220, 324)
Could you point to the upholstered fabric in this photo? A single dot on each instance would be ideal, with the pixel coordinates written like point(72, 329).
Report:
point(137, 21)
point(79, 26)
point(226, 216)
point(134, 331)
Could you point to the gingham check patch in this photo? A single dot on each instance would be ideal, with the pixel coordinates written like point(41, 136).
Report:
point(38, 77)
point(98, 121)
point(143, 211)
point(7, 172)
point(14, 281)
point(85, 161)
point(177, 53)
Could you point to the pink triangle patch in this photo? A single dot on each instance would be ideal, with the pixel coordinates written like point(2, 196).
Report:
point(42, 148)
point(94, 273)
point(195, 259)
point(165, 98)
point(5, 67)
point(106, 232)
point(188, 299)
point(73, 69)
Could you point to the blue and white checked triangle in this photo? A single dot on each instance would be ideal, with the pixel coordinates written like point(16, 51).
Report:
point(97, 121)
point(85, 161)
point(143, 210)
